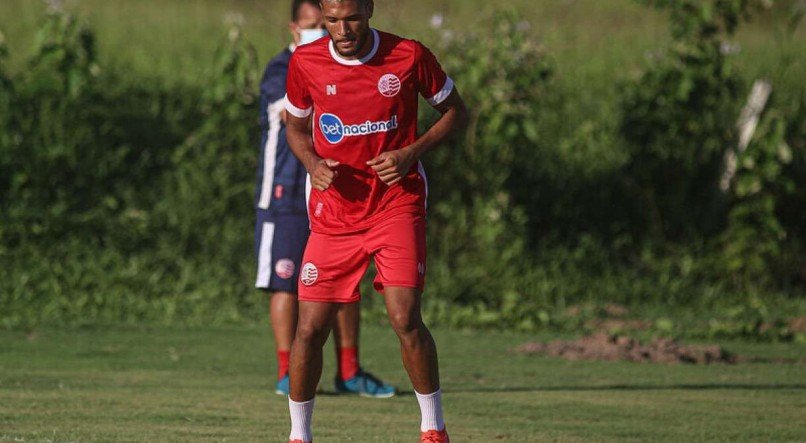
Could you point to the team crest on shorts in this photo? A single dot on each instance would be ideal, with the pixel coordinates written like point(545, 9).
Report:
point(309, 274)
point(284, 268)
point(389, 85)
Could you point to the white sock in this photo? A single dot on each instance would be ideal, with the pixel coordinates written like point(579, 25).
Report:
point(301, 416)
point(431, 410)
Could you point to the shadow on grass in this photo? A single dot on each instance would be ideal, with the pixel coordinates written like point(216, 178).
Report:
point(620, 387)
point(340, 394)
point(614, 387)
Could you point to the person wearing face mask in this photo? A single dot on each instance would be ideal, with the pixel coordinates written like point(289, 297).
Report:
point(282, 226)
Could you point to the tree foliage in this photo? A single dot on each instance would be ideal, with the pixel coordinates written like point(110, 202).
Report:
point(679, 117)
point(127, 200)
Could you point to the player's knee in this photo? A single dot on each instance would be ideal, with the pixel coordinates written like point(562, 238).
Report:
point(405, 323)
point(311, 334)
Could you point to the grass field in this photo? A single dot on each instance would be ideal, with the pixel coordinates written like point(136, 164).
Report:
point(595, 42)
point(215, 385)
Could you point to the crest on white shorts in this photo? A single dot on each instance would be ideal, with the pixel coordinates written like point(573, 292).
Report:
point(389, 85)
point(309, 274)
point(284, 268)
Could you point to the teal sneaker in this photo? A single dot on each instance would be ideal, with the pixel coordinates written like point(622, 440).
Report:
point(282, 386)
point(365, 385)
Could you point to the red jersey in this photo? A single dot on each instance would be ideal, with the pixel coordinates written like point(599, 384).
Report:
point(360, 109)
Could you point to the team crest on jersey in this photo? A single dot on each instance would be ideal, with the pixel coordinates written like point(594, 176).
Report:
point(309, 274)
point(334, 130)
point(284, 268)
point(389, 85)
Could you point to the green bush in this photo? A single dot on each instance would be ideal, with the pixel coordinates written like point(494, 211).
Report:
point(679, 118)
point(206, 206)
point(6, 136)
point(51, 156)
point(503, 76)
point(755, 237)
point(81, 150)
point(791, 265)
point(126, 200)
point(73, 283)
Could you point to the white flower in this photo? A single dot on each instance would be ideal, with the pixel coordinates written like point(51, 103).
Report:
point(54, 5)
point(437, 20)
point(728, 48)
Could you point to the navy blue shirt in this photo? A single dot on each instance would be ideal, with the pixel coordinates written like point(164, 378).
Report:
point(280, 176)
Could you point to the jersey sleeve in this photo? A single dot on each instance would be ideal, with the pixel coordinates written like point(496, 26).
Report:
point(434, 85)
point(298, 101)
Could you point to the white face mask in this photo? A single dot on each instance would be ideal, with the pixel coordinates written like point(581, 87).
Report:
point(309, 35)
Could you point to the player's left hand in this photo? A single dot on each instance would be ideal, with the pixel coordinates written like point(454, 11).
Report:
point(392, 166)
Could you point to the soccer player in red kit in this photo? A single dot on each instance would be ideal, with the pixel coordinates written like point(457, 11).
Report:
point(359, 89)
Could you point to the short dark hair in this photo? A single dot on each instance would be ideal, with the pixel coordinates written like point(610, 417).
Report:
point(296, 4)
point(363, 3)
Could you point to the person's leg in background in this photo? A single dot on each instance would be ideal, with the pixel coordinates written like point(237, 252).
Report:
point(350, 377)
point(283, 309)
point(280, 242)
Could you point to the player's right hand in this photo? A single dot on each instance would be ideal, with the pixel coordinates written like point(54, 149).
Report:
point(324, 173)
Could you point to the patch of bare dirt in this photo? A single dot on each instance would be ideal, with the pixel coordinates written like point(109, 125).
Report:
point(606, 347)
point(616, 310)
point(797, 324)
point(573, 311)
point(618, 325)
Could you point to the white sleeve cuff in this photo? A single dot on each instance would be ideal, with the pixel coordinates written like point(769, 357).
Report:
point(295, 111)
point(442, 94)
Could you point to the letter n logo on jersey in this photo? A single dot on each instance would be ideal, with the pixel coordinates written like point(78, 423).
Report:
point(331, 89)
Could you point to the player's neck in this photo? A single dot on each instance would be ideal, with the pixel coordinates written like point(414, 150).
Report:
point(365, 49)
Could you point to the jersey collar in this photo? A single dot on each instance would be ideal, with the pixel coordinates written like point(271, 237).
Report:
point(376, 41)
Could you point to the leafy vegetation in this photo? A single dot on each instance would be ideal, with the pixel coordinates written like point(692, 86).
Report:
point(128, 198)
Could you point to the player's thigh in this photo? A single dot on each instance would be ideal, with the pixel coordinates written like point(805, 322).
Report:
point(332, 268)
point(315, 321)
point(398, 245)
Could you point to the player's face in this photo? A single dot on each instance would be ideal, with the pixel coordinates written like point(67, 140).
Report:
point(347, 22)
point(308, 17)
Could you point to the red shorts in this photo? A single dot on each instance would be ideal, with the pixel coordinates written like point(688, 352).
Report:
point(333, 265)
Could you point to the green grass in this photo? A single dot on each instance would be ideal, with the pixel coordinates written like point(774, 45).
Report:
point(157, 384)
point(595, 42)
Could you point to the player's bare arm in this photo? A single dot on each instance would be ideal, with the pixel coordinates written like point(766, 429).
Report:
point(322, 171)
point(392, 166)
